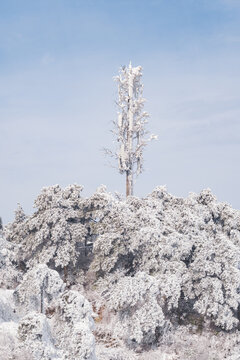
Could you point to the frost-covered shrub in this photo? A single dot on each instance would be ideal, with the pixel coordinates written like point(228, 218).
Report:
point(213, 281)
point(72, 326)
point(137, 303)
point(108, 353)
point(35, 334)
point(64, 332)
point(188, 345)
point(7, 311)
point(10, 347)
point(10, 276)
point(56, 324)
point(38, 288)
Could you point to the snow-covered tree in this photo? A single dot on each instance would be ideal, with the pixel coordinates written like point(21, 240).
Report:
point(164, 277)
point(58, 233)
point(20, 216)
point(130, 125)
point(191, 247)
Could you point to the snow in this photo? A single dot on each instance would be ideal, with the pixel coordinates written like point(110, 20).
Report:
point(130, 127)
point(162, 282)
point(7, 311)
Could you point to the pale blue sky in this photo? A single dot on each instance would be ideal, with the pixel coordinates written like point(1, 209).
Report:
point(57, 60)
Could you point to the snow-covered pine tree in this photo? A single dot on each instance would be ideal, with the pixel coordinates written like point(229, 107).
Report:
point(130, 126)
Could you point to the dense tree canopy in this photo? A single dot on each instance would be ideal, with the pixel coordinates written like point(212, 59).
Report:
point(158, 265)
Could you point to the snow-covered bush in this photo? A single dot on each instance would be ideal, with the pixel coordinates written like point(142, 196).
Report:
point(185, 344)
point(10, 348)
point(10, 276)
point(38, 288)
point(56, 324)
point(35, 335)
point(121, 353)
point(72, 326)
point(7, 311)
point(213, 281)
point(137, 303)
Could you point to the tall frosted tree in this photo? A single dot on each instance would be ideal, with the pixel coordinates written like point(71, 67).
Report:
point(130, 125)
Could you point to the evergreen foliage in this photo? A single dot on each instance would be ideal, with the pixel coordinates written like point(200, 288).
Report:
point(162, 269)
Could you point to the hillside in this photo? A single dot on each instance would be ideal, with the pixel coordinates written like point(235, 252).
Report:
point(106, 278)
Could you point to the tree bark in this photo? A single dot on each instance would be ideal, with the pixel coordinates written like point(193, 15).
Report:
point(42, 299)
point(65, 274)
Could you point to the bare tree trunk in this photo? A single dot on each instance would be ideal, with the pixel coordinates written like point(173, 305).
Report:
point(42, 299)
point(65, 274)
point(42, 289)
